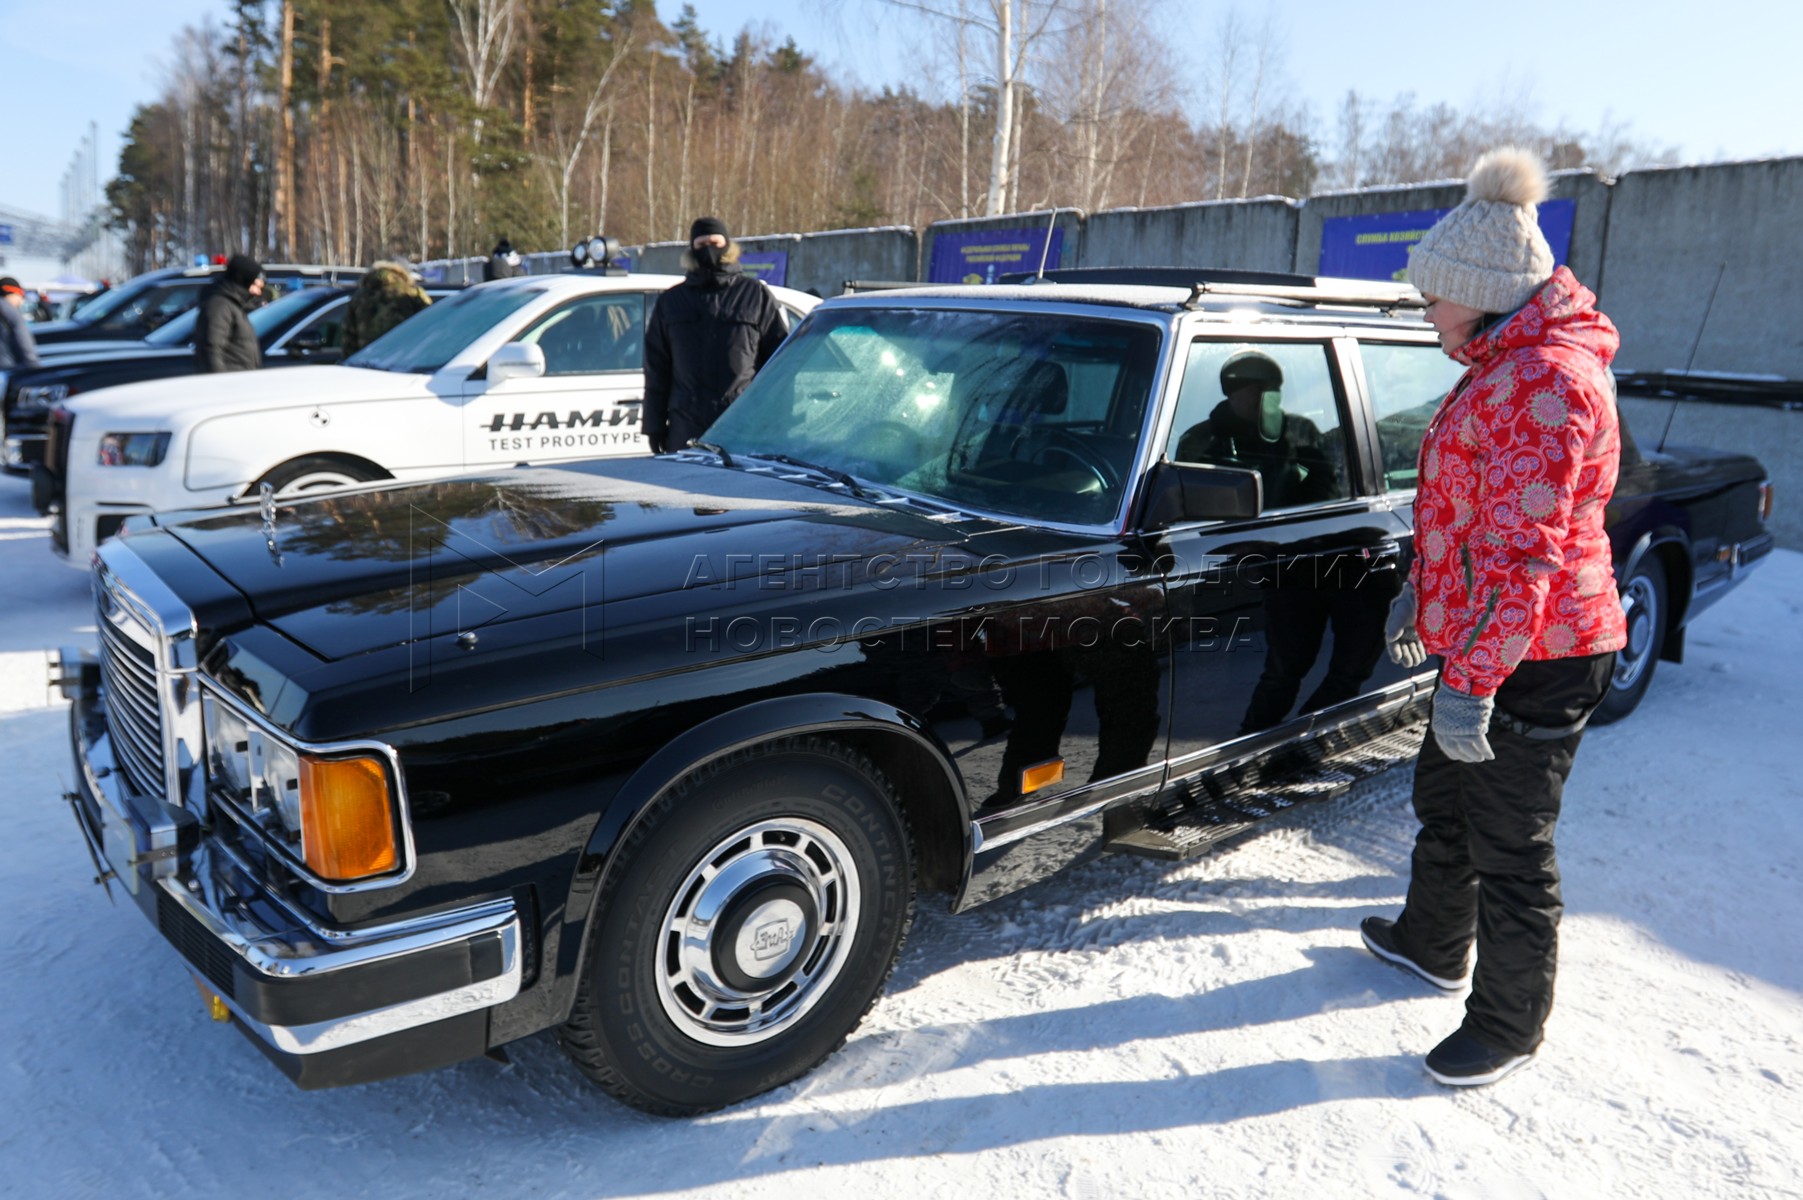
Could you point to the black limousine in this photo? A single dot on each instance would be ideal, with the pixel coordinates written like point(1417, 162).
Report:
point(658, 753)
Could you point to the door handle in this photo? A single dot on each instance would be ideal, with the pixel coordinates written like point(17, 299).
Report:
point(1386, 556)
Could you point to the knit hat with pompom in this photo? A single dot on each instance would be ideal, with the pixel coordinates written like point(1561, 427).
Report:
point(1489, 253)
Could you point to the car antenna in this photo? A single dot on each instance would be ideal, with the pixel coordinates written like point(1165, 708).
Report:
point(1689, 362)
point(1045, 251)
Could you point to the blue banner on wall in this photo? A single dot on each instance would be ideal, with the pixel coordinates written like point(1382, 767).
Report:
point(988, 254)
point(1376, 245)
point(771, 266)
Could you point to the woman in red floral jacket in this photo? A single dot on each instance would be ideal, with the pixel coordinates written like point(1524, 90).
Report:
point(1512, 586)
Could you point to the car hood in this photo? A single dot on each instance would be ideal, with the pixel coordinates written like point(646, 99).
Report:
point(371, 568)
point(191, 397)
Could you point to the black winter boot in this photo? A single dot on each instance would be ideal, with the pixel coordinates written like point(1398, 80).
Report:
point(1382, 940)
point(1463, 1061)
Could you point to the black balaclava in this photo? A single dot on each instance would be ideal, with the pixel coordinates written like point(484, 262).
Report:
point(708, 258)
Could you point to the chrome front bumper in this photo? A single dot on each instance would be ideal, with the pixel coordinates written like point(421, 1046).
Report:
point(359, 1000)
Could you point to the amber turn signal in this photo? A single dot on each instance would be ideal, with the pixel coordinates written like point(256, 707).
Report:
point(1041, 775)
point(347, 828)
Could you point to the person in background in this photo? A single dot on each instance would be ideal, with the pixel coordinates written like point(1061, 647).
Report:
point(1512, 585)
point(706, 338)
point(385, 296)
point(17, 347)
point(1249, 428)
point(224, 339)
point(503, 262)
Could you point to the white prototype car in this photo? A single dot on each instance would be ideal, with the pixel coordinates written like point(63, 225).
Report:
point(537, 369)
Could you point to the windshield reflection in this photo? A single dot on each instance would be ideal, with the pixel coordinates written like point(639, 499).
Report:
point(429, 339)
point(1027, 414)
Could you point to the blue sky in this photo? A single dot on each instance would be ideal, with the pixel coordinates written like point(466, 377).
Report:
point(1713, 79)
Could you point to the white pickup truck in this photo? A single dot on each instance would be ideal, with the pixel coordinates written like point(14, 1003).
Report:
point(533, 369)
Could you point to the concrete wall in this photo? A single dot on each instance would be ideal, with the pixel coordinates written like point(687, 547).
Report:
point(825, 262)
point(1316, 210)
point(1589, 222)
point(660, 258)
point(1650, 243)
point(1672, 231)
point(1069, 220)
point(1254, 235)
point(1772, 435)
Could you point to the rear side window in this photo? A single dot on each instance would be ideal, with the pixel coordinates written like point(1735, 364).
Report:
point(1406, 384)
point(1268, 407)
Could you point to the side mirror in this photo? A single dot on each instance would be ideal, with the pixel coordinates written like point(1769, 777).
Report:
point(310, 342)
point(516, 360)
point(1180, 492)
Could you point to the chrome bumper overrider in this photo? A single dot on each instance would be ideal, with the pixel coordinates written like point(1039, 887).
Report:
point(300, 987)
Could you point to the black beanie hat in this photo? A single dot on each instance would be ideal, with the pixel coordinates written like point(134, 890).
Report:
point(707, 227)
point(243, 270)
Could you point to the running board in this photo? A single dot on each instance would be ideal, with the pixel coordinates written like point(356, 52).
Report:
point(1215, 807)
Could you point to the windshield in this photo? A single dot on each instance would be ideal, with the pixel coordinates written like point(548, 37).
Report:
point(111, 302)
point(433, 337)
point(179, 331)
point(1028, 414)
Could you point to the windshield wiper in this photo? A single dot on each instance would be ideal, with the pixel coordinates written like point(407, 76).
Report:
point(840, 477)
point(715, 449)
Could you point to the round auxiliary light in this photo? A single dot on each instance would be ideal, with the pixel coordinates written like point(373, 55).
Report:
point(579, 254)
point(603, 250)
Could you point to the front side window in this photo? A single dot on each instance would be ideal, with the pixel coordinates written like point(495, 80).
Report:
point(1406, 383)
point(1029, 414)
point(323, 332)
point(434, 336)
point(1268, 407)
point(592, 335)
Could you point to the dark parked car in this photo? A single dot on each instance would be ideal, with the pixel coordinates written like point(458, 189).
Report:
point(145, 302)
point(658, 752)
point(302, 327)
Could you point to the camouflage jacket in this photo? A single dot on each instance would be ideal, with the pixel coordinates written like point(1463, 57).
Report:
point(384, 298)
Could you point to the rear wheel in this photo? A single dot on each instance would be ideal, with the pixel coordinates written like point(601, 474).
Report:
point(751, 920)
point(317, 473)
point(1643, 604)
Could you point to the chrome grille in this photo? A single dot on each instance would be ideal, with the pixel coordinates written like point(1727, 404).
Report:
point(134, 718)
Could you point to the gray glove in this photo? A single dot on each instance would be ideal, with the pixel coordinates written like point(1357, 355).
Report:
point(1460, 722)
point(1405, 645)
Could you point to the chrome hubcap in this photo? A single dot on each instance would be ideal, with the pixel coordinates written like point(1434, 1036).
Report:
point(1640, 605)
point(757, 932)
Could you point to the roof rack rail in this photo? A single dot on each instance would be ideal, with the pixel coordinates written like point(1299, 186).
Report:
point(1180, 277)
point(1324, 290)
point(853, 286)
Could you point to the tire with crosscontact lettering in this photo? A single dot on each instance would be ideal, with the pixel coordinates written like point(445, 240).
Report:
point(748, 923)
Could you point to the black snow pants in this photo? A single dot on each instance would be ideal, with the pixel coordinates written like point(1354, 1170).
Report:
point(1484, 860)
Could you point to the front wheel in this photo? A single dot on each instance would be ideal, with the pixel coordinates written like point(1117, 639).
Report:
point(1643, 604)
point(751, 920)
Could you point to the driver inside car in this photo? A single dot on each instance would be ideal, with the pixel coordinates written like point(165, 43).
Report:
point(1250, 429)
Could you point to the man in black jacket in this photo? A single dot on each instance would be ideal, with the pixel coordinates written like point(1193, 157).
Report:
point(706, 338)
point(224, 340)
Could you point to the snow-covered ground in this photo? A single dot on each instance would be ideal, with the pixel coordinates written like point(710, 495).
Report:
point(1128, 1029)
